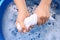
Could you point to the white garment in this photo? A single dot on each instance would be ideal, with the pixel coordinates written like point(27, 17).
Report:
point(32, 20)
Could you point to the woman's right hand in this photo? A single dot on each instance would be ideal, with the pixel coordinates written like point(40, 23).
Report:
point(43, 11)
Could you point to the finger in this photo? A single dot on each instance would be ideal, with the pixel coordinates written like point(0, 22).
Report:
point(48, 15)
point(43, 19)
point(39, 21)
point(30, 28)
point(24, 29)
point(18, 26)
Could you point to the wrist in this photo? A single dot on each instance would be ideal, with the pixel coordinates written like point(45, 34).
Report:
point(46, 1)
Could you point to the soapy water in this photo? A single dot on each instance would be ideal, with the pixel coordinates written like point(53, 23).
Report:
point(48, 31)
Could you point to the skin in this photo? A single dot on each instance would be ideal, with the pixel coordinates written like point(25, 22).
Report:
point(43, 12)
point(22, 13)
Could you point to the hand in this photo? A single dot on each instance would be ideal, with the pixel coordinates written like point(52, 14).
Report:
point(22, 13)
point(43, 12)
point(20, 20)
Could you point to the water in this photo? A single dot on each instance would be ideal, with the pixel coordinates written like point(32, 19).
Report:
point(49, 31)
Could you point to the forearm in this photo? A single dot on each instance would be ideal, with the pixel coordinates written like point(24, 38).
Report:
point(43, 6)
point(21, 5)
